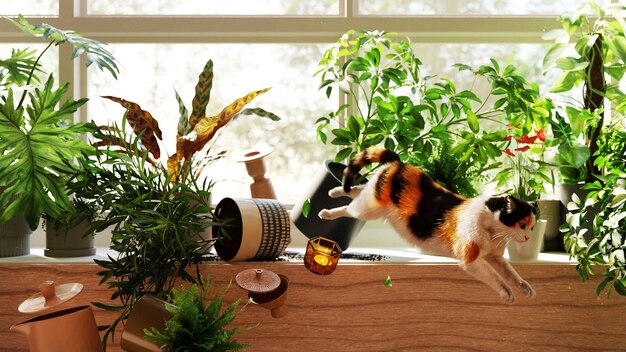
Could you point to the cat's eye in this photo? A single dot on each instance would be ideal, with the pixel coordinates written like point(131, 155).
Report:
point(522, 226)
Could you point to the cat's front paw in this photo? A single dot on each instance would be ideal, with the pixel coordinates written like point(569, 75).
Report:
point(507, 294)
point(325, 214)
point(527, 289)
point(336, 192)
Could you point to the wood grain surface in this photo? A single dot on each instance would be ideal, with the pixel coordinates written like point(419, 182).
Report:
point(429, 308)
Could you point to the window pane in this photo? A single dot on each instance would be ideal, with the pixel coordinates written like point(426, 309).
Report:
point(468, 7)
point(151, 72)
point(214, 7)
point(30, 8)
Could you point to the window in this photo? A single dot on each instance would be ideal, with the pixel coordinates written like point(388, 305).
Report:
point(162, 46)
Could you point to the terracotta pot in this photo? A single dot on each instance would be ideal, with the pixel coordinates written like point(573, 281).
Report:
point(255, 229)
point(72, 242)
point(148, 312)
point(529, 250)
point(341, 230)
point(68, 330)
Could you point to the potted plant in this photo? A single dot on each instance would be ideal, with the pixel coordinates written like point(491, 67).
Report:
point(590, 51)
point(198, 322)
point(156, 211)
point(390, 103)
point(37, 135)
point(524, 175)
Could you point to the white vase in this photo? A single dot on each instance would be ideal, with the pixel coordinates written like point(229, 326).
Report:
point(529, 250)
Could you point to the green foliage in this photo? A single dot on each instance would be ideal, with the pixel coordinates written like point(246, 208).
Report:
point(590, 52)
point(390, 103)
point(607, 242)
point(155, 222)
point(38, 140)
point(198, 324)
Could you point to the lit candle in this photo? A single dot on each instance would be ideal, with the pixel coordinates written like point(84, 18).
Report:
point(321, 259)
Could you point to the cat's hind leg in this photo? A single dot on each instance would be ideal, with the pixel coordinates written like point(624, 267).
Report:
point(481, 270)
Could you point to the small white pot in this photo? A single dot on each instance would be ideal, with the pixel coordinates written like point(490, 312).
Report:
point(529, 250)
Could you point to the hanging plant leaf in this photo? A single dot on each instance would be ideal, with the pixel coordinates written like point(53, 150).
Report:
point(143, 124)
point(203, 94)
point(183, 122)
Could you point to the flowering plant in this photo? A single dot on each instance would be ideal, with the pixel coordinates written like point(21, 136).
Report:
point(525, 174)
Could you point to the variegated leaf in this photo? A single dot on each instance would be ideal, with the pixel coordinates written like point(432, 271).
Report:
point(206, 127)
point(260, 112)
point(203, 94)
point(173, 167)
point(184, 126)
point(143, 124)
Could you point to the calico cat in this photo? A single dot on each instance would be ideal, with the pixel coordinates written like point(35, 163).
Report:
point(473, 230)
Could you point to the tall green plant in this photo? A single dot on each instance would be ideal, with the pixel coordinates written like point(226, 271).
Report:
point(38, 139)
point(390, 102)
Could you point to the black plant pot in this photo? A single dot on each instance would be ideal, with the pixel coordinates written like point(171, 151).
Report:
point(341, 230)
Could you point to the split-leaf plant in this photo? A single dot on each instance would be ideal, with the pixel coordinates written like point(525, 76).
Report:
point(157, 211)
point(38, 139)
point(590, 51)
point(390, 102)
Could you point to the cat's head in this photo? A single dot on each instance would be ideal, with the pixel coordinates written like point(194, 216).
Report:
point(518, 216)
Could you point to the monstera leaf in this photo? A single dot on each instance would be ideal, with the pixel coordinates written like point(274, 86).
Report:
point(143, 124)
point(17, 68)
point(38, 148)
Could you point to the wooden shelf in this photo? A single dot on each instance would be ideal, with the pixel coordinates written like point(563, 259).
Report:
point(431, 307)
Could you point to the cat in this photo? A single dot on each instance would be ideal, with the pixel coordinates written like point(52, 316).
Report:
point(474, 230)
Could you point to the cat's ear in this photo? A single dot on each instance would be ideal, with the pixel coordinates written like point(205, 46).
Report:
point(496, 203)
point(534, 206)
point(510, 204)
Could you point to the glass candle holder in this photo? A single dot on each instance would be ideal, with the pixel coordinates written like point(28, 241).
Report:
point(321, 255)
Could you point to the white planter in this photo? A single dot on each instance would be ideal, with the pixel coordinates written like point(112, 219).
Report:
point(529, 250)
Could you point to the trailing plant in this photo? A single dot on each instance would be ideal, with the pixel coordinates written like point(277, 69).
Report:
point(37, 136)
point(590, 52)
point(389, 102)
point(157, 211)
point(198, 324)
point(605, 245)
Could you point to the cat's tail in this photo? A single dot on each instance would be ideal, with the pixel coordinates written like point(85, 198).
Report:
point(364, 158)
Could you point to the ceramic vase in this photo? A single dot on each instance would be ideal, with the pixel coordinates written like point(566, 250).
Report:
point(253, 229)
point(261, 186)
point(341, 230)
point(529, 250)
point(550, 210)
point(75, 241)
point(15, 237)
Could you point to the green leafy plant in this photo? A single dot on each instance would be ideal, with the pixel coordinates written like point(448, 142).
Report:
point(157, 211)
point(389, 102)
point(589, 52)
point(198, 324)
point(36, 134)
point(605, 245)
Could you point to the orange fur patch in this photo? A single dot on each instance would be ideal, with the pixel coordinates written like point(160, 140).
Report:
point(471, 253)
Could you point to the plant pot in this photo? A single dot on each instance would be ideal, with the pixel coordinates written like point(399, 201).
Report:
point(15, 237)
point(254, 229)
point(566, 196)
point(550, 210)
point(62, 241)
point(529, 250)
point(148, 312)
point(341, 230)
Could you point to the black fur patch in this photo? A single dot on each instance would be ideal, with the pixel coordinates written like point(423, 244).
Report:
point(512, 210)
point(397, 184)
point(431, 208)
point(388, 156)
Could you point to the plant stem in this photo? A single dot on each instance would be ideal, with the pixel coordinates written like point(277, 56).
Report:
point(32, 73)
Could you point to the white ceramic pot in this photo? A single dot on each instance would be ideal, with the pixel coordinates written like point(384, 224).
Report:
point(529, 250)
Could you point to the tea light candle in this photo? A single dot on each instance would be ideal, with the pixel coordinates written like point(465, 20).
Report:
point(321, 255)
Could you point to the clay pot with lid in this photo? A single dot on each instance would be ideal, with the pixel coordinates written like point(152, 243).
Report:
point(69, 330)
point(265, 288)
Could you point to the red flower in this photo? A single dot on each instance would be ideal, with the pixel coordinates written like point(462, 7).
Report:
point(526, 139)
point(508, 151)
point(522, 149)
point(541, 134)
point(508, 138)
